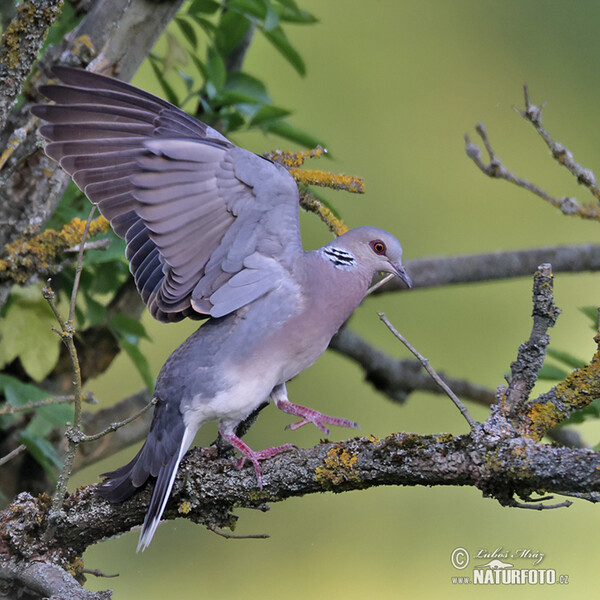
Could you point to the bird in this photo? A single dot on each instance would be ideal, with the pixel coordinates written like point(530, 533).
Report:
point(212, 233)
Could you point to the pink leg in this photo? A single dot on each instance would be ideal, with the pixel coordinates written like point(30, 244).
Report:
point(247, 453)
point(279, 395)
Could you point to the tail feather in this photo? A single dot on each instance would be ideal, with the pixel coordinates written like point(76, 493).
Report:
point(162, 491)
point(166, 445)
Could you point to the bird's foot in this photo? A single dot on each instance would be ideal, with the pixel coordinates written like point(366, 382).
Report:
point(312, 416)
point(254, 457)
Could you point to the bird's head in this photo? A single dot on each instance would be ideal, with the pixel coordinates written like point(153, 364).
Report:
point(375, 250)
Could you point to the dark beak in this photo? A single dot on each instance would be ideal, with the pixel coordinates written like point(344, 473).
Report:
point(402, 275)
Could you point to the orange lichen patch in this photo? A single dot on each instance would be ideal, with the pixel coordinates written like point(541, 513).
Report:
point(338, 468)
point(349, 183)
point(295, 159)
point(24, 258)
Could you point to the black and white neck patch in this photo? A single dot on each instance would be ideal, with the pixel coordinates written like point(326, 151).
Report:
point(342, 259)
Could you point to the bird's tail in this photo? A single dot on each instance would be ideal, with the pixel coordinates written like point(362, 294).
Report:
point(165, 446)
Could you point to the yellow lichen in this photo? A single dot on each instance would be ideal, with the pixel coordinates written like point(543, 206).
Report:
point(310, 203)
point(295, 159)
point(338, 468)
point(184, 508)
point(349, 183)
point(543, 417)
point(24, 257)
point(28, 14)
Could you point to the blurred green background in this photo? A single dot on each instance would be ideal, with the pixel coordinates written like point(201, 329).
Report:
point(392, 87)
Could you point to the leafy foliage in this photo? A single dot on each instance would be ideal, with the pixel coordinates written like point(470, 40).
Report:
point(231, 99)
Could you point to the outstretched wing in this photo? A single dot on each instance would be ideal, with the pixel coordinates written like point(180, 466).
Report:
point(209, 226)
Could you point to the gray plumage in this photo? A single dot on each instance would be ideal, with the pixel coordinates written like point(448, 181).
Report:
point(212, 232)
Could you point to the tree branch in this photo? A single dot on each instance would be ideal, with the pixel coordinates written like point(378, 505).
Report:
point(491, 266)
point(21, 42)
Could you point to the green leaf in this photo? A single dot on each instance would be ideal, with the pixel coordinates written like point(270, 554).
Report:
point(231, 31)
point(551, 373)
point(271, 18)
point(592, 313)
point(268, 114)
point(295, 134)
point(129, 327)
point(207, 26)
point(95, 312)
point(164, 84)
point(139, 361)
point(566, 358)
point(246, 85)
point(18, 393)
point(207, 7)
point(188, 31)
point(589, 412)
point(251, 9)
point(278, 38)
point(116, 250)
point(43, 452)
point(26, 333)
point(215, 69)
point(290, 13)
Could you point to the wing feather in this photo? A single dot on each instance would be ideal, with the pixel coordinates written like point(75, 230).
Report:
point(209, 227)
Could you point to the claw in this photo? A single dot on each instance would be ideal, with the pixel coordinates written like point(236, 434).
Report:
point(249, 454)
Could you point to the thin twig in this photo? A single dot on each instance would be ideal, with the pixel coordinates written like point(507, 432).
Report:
point(79, 266)
point(73, 433)
point(114, 426)
point(12, 454)
point(95, 245)
point(540, 505)
point(10, 409)
point(235, 536)
point(563, 156)
point(381, 282)
point(97, 573)
point(425, 362)
point(495, 169)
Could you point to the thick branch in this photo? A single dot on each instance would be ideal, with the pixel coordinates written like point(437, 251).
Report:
point(208, 488)
point(398, 378)
point(474, 268)
point(21, 43)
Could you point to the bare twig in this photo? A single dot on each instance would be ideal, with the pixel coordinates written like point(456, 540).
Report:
point(563, 156)
point(540, 505)
point(236, 536)
point(73, 433)
point(10, 409)
point(425, 362)
point(12, 454)
point(97, 573)
point(79, 266)
point(114, 426)
point(495, 169)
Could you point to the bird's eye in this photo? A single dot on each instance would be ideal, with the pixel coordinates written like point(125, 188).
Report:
point(378, 246)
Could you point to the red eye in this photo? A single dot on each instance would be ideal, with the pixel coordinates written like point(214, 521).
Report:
point(378, 246)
